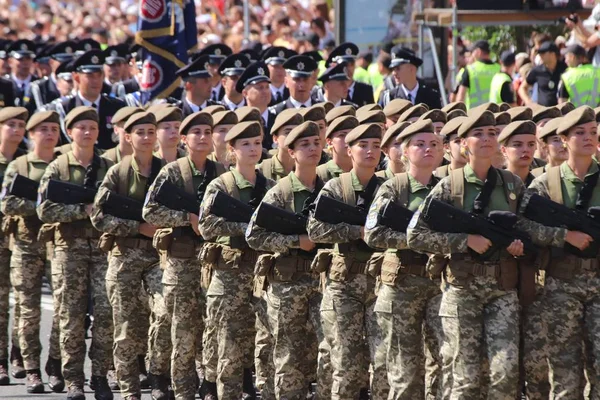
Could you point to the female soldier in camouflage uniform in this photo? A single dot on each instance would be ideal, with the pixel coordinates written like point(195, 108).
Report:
point(230, 290)
point(479, 307)
point(553, 145)
point(84, 265)
point(402, 300)
point(180, 243)
point(349, 296)
point(167, 132)
point(29, 255)
point(340, 159)
point(294, 294)
point(133, 264)
point(12, 131)
point(391, 147)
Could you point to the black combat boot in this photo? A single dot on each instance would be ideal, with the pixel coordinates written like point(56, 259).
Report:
point(56, 382)
point(160, 387)
point(144, 381)
point(248, 385)
point(16, 361)
point(4, 378)
point(101, 389)
point(34, 381)
point(208, 390)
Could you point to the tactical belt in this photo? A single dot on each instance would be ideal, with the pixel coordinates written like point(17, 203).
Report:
point(249, 255)
point(406, 264)
point(134, 243)
point(465, 264)
point(570, 266)
point(357, 268)
point(79, 230)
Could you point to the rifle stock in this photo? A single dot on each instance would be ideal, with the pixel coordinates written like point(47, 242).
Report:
point(278, 220)
point(176, 198)
point(332, 211)
point(24, 187)
point(69, 193)
point(230, 208)
point(395, 216)
point(123, 207)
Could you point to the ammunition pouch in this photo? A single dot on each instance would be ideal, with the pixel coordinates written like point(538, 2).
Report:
point(176, 242)
point(436, 264)
point(344, 266)
point(209, 255)
point(9, 225)
point(288, 268)
point(569, 266)
point(396, 266)
point(463, 268)
point(27, 228)
point(133, 243)
point(260, 285)
point(374, 265)
point(82, 229)
point(46, 233)
point(322, 261)
point(230, 259)
point(106, 242)
point(264, 264)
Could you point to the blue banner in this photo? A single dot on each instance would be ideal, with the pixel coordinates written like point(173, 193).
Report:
point(167, 33)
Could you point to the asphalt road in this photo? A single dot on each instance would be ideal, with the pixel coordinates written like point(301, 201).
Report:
point(17, 390)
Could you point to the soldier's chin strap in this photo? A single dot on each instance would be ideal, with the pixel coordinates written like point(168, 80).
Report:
point(483, 198)
point(585, 194)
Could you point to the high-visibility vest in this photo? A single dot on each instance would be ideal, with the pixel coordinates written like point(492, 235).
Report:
point(496, 88)
point(582, 84)
point(480, 82)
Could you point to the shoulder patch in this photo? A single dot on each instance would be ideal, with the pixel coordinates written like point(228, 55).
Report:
point(414, 219)
point(372, 220)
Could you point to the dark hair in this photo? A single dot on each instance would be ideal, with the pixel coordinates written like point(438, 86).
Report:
point(319, 22)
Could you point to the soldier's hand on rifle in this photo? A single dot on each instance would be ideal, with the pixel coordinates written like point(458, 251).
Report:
point(147, 229)
point(305, 243)
point(515, 249)
point(478, 243)
point(194, 222)
point(578, 239)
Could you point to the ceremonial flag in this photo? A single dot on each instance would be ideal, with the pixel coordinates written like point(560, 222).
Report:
point(166, 33)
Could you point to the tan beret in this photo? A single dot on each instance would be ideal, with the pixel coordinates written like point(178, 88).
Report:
point(413, 112)
point(124, 113)
point(517, 128)
point(540, 113)
point(502, 118)
point(314, 113)
point(477, 119)
point(493, 107)
point(549, 129)
point(393, 132)
point(139, 119)
point(367, 131)
point(81, 113)
point(7, 113)
point(197, 118)
point(434, 116)
point(327, 105)
point(304, 130)
point(341, 123)
point(168, 114)
point(153, 108)
point(424, 125)
point(244, 130)
point(520, 114)
point(339, 112)
point(455, 113)
point(451, 128)
point(579, 116)
point(41, 117)
point(213, 109)
point(368, 107)
point(504, 107)
point(248, 113)
point(396, 107)
point(290, 116)
point(566, 108)
point(224, 118)
point(371, 117)
point(457, 105)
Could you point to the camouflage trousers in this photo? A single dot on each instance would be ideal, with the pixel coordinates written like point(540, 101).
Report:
point(129, 270)
point(401, 314)
point(83, 267)
point(185, 306)
point(479, 320)
point(27, 265)
point(263, 343)
point(347, 316)
point(5, 279)
point(229, 308)
point(573, 318)
point(433, 336)
point(57, 282)
point(535, 349)
point(297, 332)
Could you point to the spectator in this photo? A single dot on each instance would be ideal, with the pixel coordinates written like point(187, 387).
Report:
point(546, 76)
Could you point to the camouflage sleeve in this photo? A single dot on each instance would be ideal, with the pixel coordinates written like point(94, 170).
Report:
point(13, 205)
point(421, 238)
point(109, 223)
point(262, 240)
point(157, 214)
point(377, 235)
point(50, 212)
point(540, 234)
point(321, 232)
point(212, 226)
